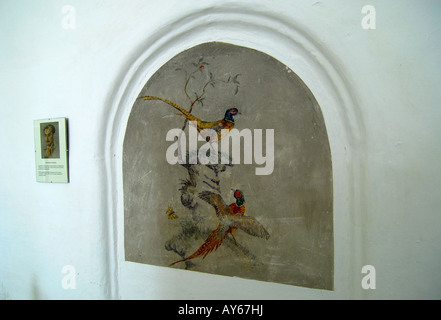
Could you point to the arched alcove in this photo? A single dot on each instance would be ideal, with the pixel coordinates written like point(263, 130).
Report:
point(292, 47)
point(288, 196)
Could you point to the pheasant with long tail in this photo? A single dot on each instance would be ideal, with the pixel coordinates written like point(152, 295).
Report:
point(227, 123)
point(232, 217)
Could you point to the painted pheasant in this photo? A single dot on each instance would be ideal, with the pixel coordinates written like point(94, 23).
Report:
point(226, 123)
point(232, 217)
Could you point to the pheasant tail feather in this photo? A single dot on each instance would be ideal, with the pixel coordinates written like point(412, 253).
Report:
point(184, 112)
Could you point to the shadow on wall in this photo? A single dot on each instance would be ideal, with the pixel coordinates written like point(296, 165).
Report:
point(4, 295)
point(35, 293)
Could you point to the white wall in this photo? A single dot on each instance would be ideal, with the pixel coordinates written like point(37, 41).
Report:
point(379, 93)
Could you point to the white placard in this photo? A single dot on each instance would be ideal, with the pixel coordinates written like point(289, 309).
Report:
point(51, 154)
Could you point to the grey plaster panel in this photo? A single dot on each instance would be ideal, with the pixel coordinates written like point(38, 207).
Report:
point(294, 203)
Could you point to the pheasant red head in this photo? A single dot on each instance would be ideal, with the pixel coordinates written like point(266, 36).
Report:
point(240, 199)
point(230, 114)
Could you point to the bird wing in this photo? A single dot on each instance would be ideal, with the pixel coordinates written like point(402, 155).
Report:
point(214, 240)
point(214, 125)
point(216, 201)
point(249, 225)
point(226, 226)
point(221, 127)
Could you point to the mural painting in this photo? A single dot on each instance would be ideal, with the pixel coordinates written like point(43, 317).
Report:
point(227, 170)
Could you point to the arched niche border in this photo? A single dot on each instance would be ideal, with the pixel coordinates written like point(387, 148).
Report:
point(288, 42)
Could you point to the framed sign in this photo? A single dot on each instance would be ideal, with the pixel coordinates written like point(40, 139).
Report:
point(51, 159)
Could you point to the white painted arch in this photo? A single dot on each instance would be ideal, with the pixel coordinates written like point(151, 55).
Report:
point(289, 42)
